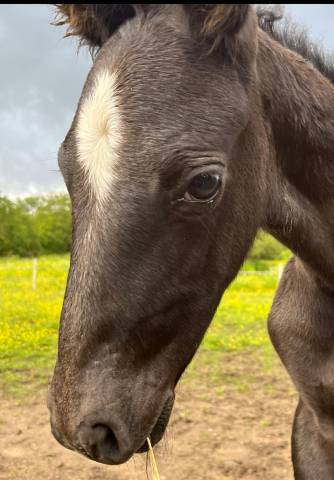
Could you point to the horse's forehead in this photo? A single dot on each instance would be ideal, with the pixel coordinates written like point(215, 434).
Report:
point(135, 100)
point(107, 125)
point(117, 110)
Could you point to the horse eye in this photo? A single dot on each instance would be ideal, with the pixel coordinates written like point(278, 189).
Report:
point(203, 187)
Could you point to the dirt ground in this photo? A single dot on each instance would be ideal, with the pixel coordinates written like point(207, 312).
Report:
point(214, 434)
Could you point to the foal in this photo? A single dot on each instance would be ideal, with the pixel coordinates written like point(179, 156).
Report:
point(196, 127)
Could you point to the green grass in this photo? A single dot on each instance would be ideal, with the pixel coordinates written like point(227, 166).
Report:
point(29, 319)
point(236, 345)
point(29, 323)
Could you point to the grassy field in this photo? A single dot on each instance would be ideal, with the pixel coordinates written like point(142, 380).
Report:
point(29, 322)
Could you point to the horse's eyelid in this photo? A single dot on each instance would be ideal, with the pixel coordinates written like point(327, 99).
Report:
point(210, 200)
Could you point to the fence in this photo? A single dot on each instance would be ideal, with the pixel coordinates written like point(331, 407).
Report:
point(273, 271)
point(278, 272)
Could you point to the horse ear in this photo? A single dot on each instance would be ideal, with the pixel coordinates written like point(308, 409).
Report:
point(219, 24)
point(92, 23)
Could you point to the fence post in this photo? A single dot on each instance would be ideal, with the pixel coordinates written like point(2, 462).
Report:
point(280, 271)
point(34, 273)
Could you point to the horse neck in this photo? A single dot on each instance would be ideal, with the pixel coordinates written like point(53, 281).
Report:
point(298, 108)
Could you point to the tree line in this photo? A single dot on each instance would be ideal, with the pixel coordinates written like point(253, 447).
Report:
point(42, 224)
point(35, 225)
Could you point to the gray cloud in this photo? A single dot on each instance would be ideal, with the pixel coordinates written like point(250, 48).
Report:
point(40, 83)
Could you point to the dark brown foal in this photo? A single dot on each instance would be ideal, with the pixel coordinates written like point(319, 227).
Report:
point(198, 125)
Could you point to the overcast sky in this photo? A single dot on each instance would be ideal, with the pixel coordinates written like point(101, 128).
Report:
point(40, 84)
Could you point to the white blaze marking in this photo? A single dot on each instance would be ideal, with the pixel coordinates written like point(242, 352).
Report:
point(99, 134)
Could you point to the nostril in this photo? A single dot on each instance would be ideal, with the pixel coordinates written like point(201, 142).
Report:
point(101, 444)
point(105, 442)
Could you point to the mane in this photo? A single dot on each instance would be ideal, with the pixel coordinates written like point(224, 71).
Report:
point(295, 37)
point(94, 23)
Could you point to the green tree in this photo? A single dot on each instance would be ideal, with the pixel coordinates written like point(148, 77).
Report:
point(7, 208)
point(35, 225)
point(267, 247)
point(53, 224)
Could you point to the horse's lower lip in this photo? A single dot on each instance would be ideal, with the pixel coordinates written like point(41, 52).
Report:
point(160, 426)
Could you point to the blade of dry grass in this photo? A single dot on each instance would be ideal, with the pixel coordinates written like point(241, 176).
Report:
point(153, 463)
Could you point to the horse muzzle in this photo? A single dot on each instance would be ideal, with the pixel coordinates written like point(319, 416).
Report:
point(112, 437)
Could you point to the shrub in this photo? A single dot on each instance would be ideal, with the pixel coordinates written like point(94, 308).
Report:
point(267, 247)
point(35, 225)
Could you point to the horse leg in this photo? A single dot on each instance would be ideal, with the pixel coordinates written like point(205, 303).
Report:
point(301, 327)
point(312, 455)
